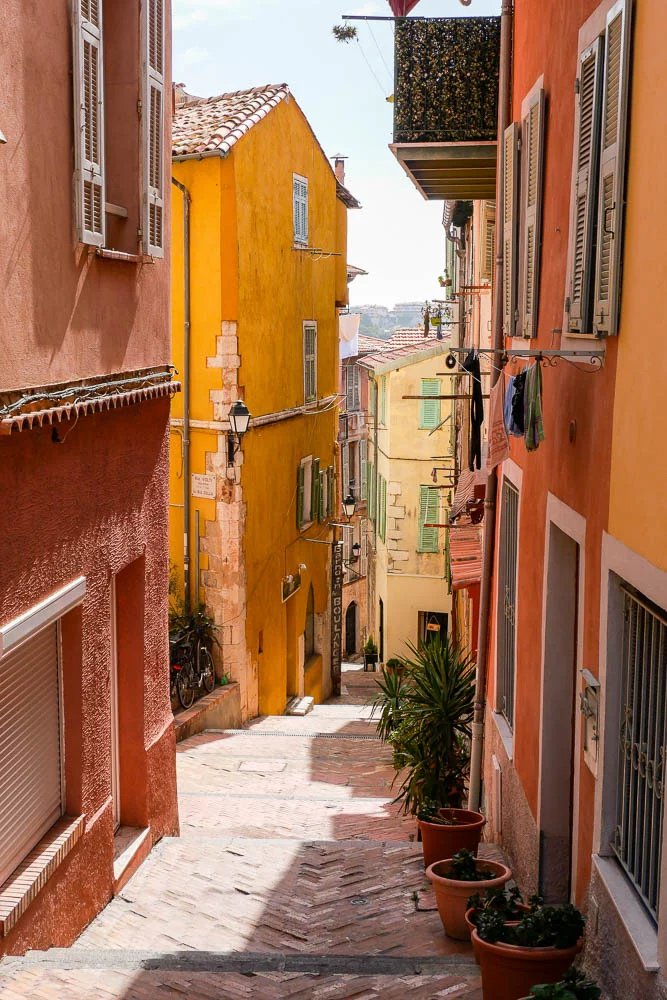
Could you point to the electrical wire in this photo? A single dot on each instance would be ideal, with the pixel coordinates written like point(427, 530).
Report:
point(370, 28)
point(375, 77)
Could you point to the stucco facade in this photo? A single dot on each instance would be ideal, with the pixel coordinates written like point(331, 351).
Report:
point(84, 408)
point(252, 290)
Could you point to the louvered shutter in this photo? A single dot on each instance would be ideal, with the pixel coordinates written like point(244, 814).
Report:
point(383, 508)
point(430, 408)
point(89, 122)
point(153, 114)
point(510, 226)
point(315, 489)
point(428, 514)
point(323, 496)
point(300, 208)
point(30, 775)
point(488, 257)
point(383, 400)
point(363, 568)
point(532, 144)
point(309, 363)
point(300, 483)
point(363, 468)
point(331, 491)
point(612, 170)
point(584, 186)
point(345, 462)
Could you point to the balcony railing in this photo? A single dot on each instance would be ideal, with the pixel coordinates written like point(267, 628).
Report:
point(446, 80)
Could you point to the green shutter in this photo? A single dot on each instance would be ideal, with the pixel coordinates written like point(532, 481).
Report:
point(429, 409)
point(428, 514)
point(300, 479)
point(371, 492)
point(315, 489)
point(323, 495)
point(382, 513)
point(331, 491)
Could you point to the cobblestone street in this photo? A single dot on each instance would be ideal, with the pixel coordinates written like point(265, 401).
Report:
point(293, 877)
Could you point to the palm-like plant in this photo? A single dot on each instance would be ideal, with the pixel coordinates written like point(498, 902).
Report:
point(388, 703)
point(432, 739)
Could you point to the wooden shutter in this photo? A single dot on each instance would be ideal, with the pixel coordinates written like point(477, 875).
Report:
point(370, 474)
point(429, 408)
point(300, 208)
point(30, 775)
point(428, 514)
point(315, 489)
point(309, 362)
point(89, 122)
point(532, 145)
point(323, 495)
point(488, 235)
point(345, 462)
point(363, 567)
point(510, 226)
point(363, 467)
point(612, 169)
point(153, 115)
point(583, 199)
point(383, 400)
point(331, 491)
point(300, 483)
point(383, 508)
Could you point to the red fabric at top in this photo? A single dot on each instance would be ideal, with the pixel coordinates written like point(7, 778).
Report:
point(402, 7)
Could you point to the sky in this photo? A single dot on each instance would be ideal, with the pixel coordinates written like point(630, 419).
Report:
point(226, 45)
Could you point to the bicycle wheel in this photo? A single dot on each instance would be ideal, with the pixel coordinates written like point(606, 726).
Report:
point(206, 668)
point(184, 687)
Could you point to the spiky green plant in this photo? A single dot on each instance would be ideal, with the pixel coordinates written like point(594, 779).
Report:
point(431, 742)
point(388, 702)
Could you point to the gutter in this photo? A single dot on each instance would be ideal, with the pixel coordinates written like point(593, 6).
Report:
point(504, 118)
point(198, 156)
point(186, 395)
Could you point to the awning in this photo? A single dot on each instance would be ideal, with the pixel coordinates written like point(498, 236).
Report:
point(465, 554)
point(402, 7)
point(471, 487)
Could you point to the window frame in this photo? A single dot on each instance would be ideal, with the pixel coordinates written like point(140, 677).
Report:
point(299, 220)
point(309, 362)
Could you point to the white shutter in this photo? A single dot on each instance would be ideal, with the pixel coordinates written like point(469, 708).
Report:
point(89, 185)
point(510, 226)
point(363, 467)
point(612, 169)
point(30, 780)
point(300, 208)
point(532, 144)
point(488, 235)
point(584, 186)
point(153, 113)
point(345, 461)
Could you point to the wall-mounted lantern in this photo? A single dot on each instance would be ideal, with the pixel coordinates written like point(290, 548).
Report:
point(239, 419)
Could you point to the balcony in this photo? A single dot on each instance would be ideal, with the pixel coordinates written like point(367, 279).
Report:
point(446, 105)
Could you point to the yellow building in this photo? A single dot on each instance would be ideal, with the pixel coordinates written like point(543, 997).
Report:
point(266, 239)
point(410, 486)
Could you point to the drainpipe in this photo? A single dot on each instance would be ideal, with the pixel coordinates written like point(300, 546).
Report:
point(186, 391)
point(504, 118)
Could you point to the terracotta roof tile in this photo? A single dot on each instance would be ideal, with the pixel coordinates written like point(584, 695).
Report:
point(215, 124)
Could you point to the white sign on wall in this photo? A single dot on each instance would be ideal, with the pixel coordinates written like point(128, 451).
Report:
point(203, 486)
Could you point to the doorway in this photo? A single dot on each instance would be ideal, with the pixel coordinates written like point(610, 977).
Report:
point(558, 718)
point(115, 727)
point(432, 624)
point(351, 629)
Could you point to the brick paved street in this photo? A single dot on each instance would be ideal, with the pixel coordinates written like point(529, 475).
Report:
point(293, 877)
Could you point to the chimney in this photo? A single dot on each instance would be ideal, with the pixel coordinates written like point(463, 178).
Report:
point(339, 167)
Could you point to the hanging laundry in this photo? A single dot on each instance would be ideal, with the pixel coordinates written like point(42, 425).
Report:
point(426, 313)
point(471, 364)
point(534, 432)
point(518, 423)
point(498, 449)
point(511, 425)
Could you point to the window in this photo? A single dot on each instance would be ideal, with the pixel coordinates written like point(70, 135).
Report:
point(429, 507)
point(596, 200)
point(383, 400)
point(643, 733)
point(488, 256)
point(532, 147)
point(345, 465)
point(304, 491)
point(352, 395)
point(382, 507)
point(309, 362)
point(114, 204)
point(300, 208)
point(309, 632)
point(371, 488)
point(507, 571)
point(510, 227)
point(429, 409)
point(363, 468)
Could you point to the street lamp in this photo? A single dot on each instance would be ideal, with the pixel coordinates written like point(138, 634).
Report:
point(349, 506)
point(356, 551)
point(239, 418)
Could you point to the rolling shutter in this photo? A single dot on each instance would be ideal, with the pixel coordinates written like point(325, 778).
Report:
point(153, 112)
point(510, 221)
point(612, 170)
point(89, 122)
point(429, 408)
point(533, 145)
point(584, 187)
point(30, 778)
point(429, 501)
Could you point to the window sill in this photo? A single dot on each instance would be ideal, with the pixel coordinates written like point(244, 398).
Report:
point(127, 258)
point(23, 885)
point(505, 733)
point(637, 924)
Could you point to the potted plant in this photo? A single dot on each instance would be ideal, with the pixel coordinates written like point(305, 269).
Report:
point(537, 949)
point(370, 653)
point(431, 747)
point(394, 665)
point(452, 882)
point(573, 986)
point(508, 902)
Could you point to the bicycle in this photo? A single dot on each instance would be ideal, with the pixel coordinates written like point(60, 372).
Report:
point(190, 662)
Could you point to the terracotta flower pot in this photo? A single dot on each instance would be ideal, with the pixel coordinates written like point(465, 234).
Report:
point(440, 842)
point(510, 971)
point(522, 907)
point(452, 895)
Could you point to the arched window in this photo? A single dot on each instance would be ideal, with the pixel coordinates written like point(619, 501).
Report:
point(309, 644)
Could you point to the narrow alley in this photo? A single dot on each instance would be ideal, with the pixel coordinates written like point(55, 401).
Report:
point(293, 877)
